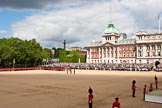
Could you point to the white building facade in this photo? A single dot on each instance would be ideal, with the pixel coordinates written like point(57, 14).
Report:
point(116, 48)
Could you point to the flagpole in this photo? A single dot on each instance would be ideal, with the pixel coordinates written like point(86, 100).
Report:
point(110, 13)
point(159, 22)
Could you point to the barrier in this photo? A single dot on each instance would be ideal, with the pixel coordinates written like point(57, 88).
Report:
point(33, 68)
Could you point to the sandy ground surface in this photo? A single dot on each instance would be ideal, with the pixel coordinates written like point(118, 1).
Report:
point(56, 89)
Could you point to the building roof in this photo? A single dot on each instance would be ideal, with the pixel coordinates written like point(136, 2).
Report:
point(111, 29)
point(127, 41)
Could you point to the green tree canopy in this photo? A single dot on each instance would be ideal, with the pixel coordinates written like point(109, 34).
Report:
point(21, 52)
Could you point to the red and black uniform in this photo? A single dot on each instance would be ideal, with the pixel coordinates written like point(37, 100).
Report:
point(133, 90)
point(156, 82)
point(116, 104)
point(90, 100)
point(144, 91)
point(151, 88)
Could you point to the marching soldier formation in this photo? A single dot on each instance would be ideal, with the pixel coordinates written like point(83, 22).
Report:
point(116, 103)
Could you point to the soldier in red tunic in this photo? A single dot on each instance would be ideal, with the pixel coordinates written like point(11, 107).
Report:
point(90, 100)
point(156, 82)
point(116, 104)
point(150, 88)
point(133, 88)
point(144, 91)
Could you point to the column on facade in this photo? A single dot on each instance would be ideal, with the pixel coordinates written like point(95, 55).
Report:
point(90, 56)
point(155, 49)
point(150, 51)
point(141, 50)
point(102, 55)
point(106, 53)
point(144, 51)
point(114, 52)
point(118, 54)
point(137, 51)
point(110, 52)
point(161, 51)
point(99, 55)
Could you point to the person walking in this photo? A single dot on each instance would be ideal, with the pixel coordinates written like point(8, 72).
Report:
point(144, 91)
point(133, 88)
point(116, 103)
point(90, 99)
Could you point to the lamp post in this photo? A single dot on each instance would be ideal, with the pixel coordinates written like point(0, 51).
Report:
point(13, 63)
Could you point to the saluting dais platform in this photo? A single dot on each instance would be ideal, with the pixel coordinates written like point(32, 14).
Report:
point(154, 96)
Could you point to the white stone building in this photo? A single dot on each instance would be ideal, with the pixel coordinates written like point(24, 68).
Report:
point(116, 48)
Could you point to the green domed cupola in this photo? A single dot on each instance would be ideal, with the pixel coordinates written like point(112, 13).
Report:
point(111, 29)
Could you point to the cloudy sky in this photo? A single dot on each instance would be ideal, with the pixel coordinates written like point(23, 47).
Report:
point(78, 22)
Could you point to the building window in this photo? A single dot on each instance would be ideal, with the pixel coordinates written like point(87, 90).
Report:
point(120, 54)
point(140, 47)
point(128, 54)
point(132, 54)
point(147, 61)
point(104, 55)
point(159, 54)
point(120, 48)
point(148, 54)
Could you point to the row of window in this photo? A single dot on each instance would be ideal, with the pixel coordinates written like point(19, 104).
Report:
point(140, 54)
point(120, 48)
point(115, 61)
point(121, 61)
point(150, 37)
point(128, 48)
point(112, 55)
point(150, 47)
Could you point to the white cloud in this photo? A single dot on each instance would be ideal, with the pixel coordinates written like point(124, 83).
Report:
point(80, 25)
point(3, 32)
point(145, 12)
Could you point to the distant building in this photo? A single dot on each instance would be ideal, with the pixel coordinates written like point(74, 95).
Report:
point(75, 48)
point(116, 48)
point(79, 50)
